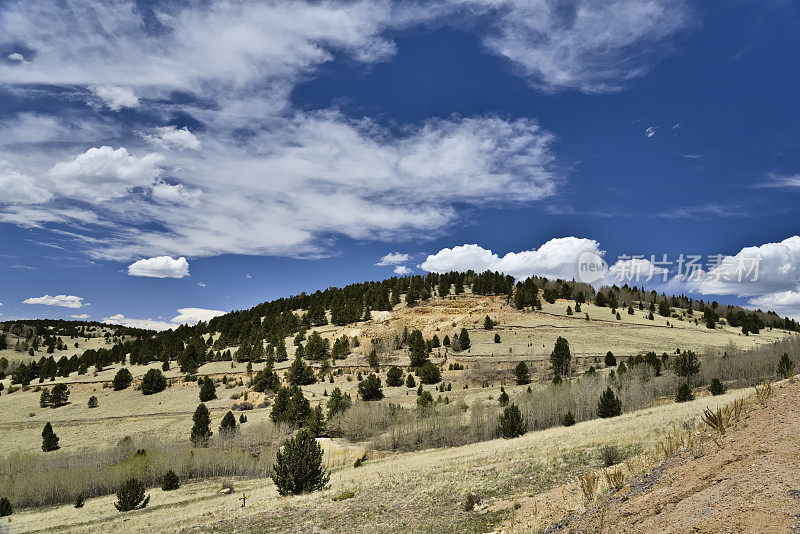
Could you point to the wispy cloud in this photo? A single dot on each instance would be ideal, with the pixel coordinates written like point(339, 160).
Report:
point(782, 180)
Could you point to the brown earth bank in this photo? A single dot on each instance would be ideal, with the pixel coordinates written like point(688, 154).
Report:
point(749, 483)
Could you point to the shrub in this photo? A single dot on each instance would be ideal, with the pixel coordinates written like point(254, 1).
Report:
point(609, 404)
point(208, 391)
point(394, 376)
point(170, 481)
point(49, 439)
point(684, 393)
point(568, 419)
point(497, 338)
point(370, 388)
point(503, 397)
point(522, 373)
point(242, 418)
point(716, 387)
point(92, 402)
point(430, 373)
point(512, 424)
point(470, 501)
point(424, 399)
point(79, 501)
point(5, 507)
point(785, 366)
point(610, 455)
point(122, 379)
point(360, 460)
point(130, 496)
point(153, 382)
point(298, 468)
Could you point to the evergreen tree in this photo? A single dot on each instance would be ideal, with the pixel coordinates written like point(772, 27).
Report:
point(266, 380)
point(122, 379)
point(170, 481)
point(684, 393)
point(227, 426)
point(372, 358)
point(44, 398)
point(560, 357)
point(410, 382)
point(686, 365)
point(512, 424)
point(92, 402)
point(716, 387)
point(5, 507)
point(79, 501)
point(298, 467)
point(610, 360)
point(208, 391)
point(300, 374)
point(315, 422)
point(488, 324)
point(430, 373)
point(49, 439)
point(290, 406)
point(130, 496)
point(463, 339)
point(568, 419)
point(370, 388)
point(522, 373)
point(59, 396)
point(609, 405)
point(503, 397)
point(153, 382)
point(338, 403)
point(394, 377)
point(201, 432)
point(418, 350)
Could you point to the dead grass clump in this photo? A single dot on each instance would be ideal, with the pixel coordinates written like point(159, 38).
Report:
point(719, 420)
point(588, 482)
point(615, 478)
point(763, 393)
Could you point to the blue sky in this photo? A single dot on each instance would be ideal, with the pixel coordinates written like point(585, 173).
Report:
point(160, 163)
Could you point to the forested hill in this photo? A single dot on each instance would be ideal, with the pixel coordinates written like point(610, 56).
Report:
point(260, 332)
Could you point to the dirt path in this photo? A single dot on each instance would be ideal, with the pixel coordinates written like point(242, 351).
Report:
point(751, 484)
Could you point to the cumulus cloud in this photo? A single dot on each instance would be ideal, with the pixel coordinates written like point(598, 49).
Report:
point(80, 316)
point(402, 270)
point(116, 97)
point(393, 258)
point(65, 301)
point(19, 188)
point(160, 267)
point(557, 258)
point(16, 56)
point(168, 137)
point(103, 173)
point(786, 303)
point(190, 316)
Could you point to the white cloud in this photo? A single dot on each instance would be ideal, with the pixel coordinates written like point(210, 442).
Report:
point(402, 270)
point(116, 97)
point(201, 284)
point(557, 258)
point(168, 137)
point(692, 156)
point(16, 56)
point(590, 45)
point(100, 174)
point(785, 303)
point(193, 316)
point(190, 316)
point(160, 267)
point(176, 194)
point(393, 258)
point(650, 132)
point(80, 316)
point(65, 301)
point(19, 188)
point(784, 180)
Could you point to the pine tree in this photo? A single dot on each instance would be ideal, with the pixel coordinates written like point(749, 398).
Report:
point(49, 439)
point(153, 382)
point(300, 374)
point(370, 388)
point(522, 373)
point(298, 467)
point(463, 339)
point(59, 396)
point(79, 501)
point(394, 377)
point(609, 405)
point(503, 398)
point(684, 393)
point(686, 365)
point(430, 373)
point(44, 398)
point(488, 324)
point(512, 424)
point(315, 422)
point(418, 350)
point(92, 402)
point(372, 358)
point(122, 379)
point(410, 382)
point(208, 391)
point(610, 360)
point(338, 403)
point(568, 419)
point(560, 357)
point(130, 496)
point(201, 433)
point(170, 481)
point(227, 427)
point(716, 387)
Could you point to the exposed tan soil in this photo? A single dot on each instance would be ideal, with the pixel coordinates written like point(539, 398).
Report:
point(751, 484)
